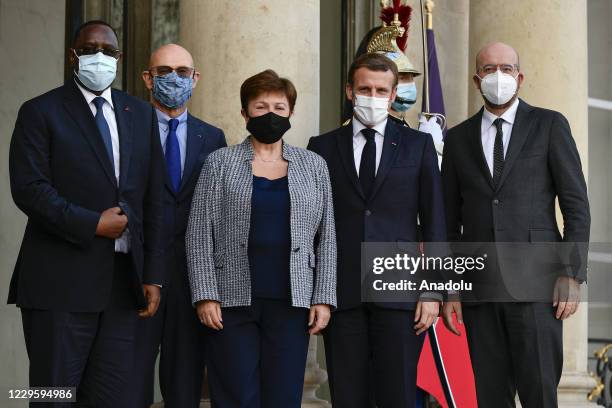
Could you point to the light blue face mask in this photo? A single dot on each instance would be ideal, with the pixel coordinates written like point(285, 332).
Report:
point(172, 90)
point(97, 72)
point(405, 98)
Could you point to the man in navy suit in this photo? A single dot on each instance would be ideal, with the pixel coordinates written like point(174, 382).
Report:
point(384, 177)
point(186, 142)
point(85, 167)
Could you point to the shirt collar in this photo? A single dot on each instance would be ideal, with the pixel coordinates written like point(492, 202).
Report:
point(508, 116)
point(90, 96)
point(358, 127)
point(163, 118)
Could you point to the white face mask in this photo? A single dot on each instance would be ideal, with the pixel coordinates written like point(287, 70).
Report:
point(97, 72)
point(498, 88)
point(370, 110)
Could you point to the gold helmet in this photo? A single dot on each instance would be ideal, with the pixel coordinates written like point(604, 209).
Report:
point(392, 33)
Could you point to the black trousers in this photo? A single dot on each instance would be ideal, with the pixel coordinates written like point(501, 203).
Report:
point(178, 336)
point(258, 359)
point(515, 347)
point(90, 351)
point(372, 355)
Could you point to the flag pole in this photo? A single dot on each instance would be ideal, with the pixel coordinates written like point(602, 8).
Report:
point(427, 24)
point(424, 27)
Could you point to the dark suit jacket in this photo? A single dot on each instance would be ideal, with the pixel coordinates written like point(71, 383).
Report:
point(62, 179)
point(407, 186)
point(202, 139)
point(542, 164)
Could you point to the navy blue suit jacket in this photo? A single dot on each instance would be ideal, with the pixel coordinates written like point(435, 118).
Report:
point(407, 186)
point(62, 179)
point(202, 139)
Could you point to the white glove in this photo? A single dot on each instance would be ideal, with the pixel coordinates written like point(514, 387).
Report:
point(432, 127)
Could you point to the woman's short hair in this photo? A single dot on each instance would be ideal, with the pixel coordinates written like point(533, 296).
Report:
point(374, 62)
point(264, 82)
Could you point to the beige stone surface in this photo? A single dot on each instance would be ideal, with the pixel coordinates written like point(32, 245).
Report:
point(230, 43)
point(553, 53)
point(31, 60)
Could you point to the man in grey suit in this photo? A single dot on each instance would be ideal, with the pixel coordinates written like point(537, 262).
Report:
point(502, 171)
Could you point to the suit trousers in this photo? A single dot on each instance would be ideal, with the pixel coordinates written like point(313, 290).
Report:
point(90, 351)
point(515, 347)
point(176, 334)
point(372, 355)
point(258, 359)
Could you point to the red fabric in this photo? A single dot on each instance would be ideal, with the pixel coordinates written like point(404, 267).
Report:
point(404, 12)
point(456, 358)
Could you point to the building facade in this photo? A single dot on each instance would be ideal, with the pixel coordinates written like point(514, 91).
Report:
point(566, 54)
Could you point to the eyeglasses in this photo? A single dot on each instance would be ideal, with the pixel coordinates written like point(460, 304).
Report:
point(504, 68)
point(111, 52)
point(163, 70)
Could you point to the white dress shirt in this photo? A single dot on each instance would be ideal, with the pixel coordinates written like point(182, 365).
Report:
point(488, 131)
point(359, 141)
point(122, 244)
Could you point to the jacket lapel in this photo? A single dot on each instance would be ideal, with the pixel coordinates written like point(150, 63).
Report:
point(123, 114)
point(196, 141)
point(477, 150)
point(391, 142)
point(520, 131)
point(77, 108)
point(344, 139)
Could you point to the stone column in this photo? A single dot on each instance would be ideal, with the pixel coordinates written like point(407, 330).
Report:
point(554, 60)
point(231, 41)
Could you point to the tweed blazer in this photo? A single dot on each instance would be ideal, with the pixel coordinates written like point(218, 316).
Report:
point(219, 222)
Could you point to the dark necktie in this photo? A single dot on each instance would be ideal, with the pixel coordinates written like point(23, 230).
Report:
point(173, 154)
point(104, 129)
point(367, 166)
point(498, 151)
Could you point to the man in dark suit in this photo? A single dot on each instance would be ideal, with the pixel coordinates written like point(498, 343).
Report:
point(85, 167)
point(384, 177)
point(502, 170)
point(186, 142)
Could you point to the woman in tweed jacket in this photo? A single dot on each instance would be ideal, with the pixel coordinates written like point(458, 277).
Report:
point(261, 251)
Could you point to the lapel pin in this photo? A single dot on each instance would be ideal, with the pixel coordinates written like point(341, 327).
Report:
point(126, 108)
point(200, 136)
point(393, 144)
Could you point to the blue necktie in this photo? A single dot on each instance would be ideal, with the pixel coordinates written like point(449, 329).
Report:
point(104, 129)
point(173, 155)
point(367, 165)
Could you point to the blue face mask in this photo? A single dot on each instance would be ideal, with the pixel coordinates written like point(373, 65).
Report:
point(172, 90)
point(97, 72)
point(405, 98)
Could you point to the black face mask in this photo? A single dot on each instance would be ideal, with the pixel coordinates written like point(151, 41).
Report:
point(268, 128)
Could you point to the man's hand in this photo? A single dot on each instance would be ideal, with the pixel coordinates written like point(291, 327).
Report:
point(425, 314)
point(319, 318)
point(112, 223)
point(453, 306)
point(432, 127)
point(566, 297)
point(209, 313)
point(152, 294)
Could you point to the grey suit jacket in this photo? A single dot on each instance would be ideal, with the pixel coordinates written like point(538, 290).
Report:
point(218, 230)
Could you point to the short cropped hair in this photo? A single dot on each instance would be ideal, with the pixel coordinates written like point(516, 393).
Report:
point(374, 62)
point(89, 23)
point(264, 82)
